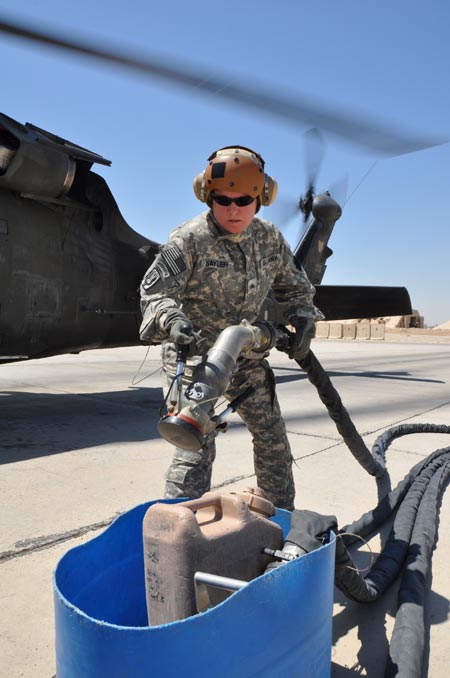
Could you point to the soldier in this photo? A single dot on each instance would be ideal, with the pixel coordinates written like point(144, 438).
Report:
point(216, 270)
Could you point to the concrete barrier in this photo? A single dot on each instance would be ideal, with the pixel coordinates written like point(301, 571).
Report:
point(363, 331)
point(335, 331)
point(377, 331)
point(322, 330)
point(349, 330)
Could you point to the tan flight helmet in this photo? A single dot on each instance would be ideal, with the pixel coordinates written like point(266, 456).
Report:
point(237, 169)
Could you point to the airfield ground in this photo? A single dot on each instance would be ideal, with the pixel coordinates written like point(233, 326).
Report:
point(78, 446)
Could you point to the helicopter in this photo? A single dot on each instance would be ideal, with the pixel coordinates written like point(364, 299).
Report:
point(71, 265)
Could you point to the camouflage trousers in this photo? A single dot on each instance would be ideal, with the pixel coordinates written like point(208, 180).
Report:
point(189, 475)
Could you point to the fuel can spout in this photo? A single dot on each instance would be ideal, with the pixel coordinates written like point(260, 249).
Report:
point(196, 418)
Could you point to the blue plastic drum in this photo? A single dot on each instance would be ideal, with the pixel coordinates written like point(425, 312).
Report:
point(277, 625)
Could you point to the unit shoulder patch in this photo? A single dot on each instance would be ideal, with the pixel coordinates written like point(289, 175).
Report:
point(168, 264)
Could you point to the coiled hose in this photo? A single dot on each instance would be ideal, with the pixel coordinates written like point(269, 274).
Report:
point(415, 503)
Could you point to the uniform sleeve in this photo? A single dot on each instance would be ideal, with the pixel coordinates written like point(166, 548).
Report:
point(162, 286)
point(292, 288)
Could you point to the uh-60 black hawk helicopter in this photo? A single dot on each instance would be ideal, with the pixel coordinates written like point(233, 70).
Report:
point(70, 266)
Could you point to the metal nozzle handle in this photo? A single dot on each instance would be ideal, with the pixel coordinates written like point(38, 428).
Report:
point(183, 349)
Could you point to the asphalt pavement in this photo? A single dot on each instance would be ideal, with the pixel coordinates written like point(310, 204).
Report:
point(79, 445)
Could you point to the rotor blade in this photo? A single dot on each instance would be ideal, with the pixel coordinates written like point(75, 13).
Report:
point(282, 211)
point(314, 152)
point(339, 190)
point(297, 111)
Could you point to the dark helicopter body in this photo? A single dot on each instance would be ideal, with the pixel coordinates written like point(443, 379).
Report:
point(340, 302)
point(70, 266)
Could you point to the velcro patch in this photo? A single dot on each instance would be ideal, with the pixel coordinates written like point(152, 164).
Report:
point(218, 170)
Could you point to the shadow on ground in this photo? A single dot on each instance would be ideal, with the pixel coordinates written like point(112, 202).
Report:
point(40, 424)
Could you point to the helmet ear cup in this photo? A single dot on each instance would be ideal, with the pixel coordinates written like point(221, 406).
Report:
point(269, 192)
point(199, 187)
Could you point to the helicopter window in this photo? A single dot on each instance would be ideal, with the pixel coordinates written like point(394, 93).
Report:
point(8, 147)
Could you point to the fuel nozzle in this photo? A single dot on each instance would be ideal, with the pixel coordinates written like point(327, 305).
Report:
point(182, 431)
point(186, 425)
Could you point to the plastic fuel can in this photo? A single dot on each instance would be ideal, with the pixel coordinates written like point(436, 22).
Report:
point(221, 534)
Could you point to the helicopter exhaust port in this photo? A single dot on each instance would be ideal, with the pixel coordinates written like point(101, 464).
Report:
point(20, 154)
point(36, 163)
point(8, 148)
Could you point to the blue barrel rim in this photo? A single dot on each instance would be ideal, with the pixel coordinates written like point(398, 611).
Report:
point(78, 611)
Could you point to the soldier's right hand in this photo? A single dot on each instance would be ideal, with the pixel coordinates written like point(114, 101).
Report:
point(181, 331)
point(182, 334)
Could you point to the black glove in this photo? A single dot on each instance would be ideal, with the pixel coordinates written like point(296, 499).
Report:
point(305, 330)
point(181, 331)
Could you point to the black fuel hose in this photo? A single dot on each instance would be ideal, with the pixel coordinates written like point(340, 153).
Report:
point(395, 552)
point(414, 507)
point(414, 503)
point(332, 401)
point(408, 551)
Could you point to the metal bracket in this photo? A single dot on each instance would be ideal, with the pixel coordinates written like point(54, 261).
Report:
point(202, 580)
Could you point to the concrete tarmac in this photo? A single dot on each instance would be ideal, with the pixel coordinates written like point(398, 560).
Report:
point(79, 445)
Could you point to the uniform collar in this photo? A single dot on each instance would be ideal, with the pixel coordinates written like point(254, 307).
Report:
point(221, 234)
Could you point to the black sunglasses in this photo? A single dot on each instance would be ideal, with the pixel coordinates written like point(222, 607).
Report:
point(225, 201)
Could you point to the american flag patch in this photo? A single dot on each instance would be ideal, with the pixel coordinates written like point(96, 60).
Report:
point(173, 259)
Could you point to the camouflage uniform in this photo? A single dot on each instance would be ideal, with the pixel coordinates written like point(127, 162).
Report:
point(217, 279)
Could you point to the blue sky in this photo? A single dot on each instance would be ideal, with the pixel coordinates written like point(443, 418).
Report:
point(385, 61)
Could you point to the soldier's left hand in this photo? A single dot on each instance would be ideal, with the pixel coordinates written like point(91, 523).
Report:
point(305, 330)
